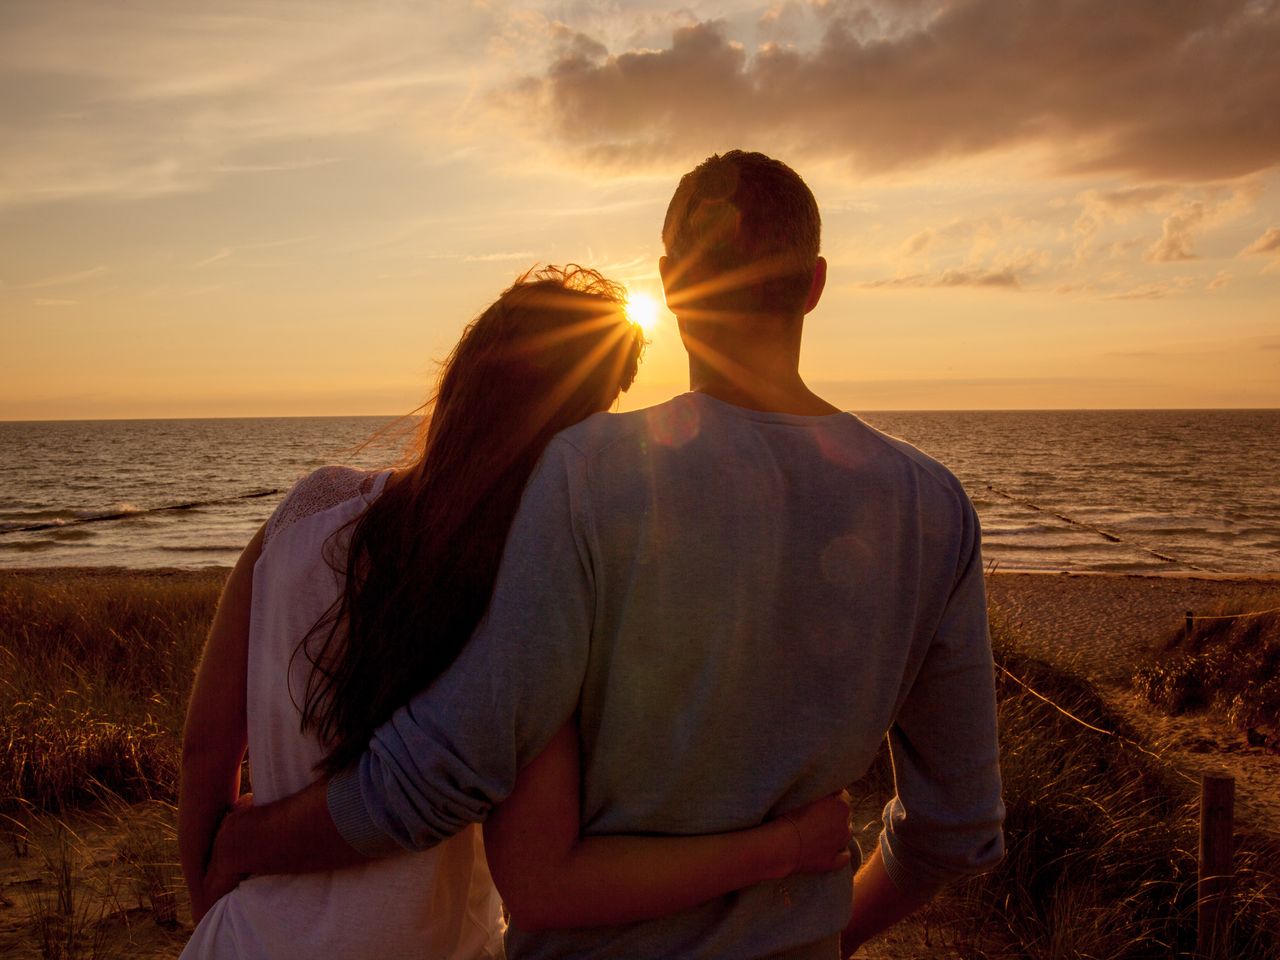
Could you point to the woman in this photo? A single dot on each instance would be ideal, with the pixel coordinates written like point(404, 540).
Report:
point(357, 593)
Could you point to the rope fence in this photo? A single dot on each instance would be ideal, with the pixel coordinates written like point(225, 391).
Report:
point(1171, 764)
point(1215, 870)
point(1191, 618)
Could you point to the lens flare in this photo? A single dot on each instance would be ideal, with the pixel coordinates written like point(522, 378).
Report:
point(642, 310)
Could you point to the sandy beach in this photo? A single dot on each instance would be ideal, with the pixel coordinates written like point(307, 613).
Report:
point(1101, 627)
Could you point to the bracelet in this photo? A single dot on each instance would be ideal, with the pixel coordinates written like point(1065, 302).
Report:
point(799, 841)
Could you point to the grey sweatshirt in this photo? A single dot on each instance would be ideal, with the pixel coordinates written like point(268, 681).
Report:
point(738, 605)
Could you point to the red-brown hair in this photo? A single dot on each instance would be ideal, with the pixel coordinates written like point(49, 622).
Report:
point(421, 561)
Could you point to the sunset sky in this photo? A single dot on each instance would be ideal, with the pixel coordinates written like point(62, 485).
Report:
point(291, 208)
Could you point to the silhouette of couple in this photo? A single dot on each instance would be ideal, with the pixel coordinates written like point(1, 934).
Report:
point(646, 650)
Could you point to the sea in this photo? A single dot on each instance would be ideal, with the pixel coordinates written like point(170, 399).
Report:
point(1139, 491)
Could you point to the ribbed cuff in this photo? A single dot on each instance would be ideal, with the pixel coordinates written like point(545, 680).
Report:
point(350, 815)
point(901, 876)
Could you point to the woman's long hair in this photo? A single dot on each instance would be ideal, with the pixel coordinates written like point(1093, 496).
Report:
point(421, 561)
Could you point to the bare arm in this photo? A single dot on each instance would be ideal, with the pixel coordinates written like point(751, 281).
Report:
point(877, 905)
point(215, 735)
point(549, 877)
point(293, 835)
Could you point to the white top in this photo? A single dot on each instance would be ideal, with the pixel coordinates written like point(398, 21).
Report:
point(437, 904)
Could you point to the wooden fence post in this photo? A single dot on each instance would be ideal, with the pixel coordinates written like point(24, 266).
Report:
point(1214, 889)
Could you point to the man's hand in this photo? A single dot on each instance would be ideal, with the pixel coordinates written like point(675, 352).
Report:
point(292, 835)
point(219, 876)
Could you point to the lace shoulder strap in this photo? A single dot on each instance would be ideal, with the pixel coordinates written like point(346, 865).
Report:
point(318, 491)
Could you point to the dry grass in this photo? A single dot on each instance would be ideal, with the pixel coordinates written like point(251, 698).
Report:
point(1230, 664)
point(96, 669)
point(1101, 842)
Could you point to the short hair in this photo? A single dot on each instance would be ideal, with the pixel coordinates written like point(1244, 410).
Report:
point(750, 219)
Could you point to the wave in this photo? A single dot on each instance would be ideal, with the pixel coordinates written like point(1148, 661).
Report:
point(203, 548)
point(21, 519)
point(119, 510)
point(72, 535)
point(126, 510)
point(28, 546)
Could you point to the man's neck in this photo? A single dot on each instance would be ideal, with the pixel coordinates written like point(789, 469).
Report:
point(782, 392)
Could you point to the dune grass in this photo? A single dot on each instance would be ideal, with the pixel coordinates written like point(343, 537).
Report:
point(1101, 841)
point(1101, 837)
point(1228, 663)
point(95, 670)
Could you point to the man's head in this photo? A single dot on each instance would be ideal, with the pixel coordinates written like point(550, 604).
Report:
point(741, 237)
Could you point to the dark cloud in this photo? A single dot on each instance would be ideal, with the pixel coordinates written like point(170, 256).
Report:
point(1183, 89)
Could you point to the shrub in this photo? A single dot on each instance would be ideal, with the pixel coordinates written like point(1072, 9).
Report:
point(1231, 665)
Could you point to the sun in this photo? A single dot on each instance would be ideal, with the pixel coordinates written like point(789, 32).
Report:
point(642, 310)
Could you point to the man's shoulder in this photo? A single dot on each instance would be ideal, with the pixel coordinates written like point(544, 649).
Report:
point(912, 458)
point(598, 433)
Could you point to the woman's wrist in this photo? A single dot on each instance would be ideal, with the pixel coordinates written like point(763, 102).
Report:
point(783, 847)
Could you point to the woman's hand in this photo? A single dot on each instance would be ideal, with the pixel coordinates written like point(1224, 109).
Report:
point(820, 834)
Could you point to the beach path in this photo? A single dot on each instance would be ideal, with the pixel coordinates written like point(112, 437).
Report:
point(1101, 627)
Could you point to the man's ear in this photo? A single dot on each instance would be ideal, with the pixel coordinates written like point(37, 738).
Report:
point(664, 265)
point(818, 284)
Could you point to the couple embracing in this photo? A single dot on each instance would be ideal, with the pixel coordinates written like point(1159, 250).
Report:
point(646, 650)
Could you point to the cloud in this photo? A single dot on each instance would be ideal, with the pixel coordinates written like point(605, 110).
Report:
point(978, 278)
point(1154, 291)
point(1006, 272)
point(205, 93)
point(1175, 241)
point(918, 242)
point(1224, 278)
point(1269, 242)
point(220, 255)
point(1004, 278)
point(1158, 89)
point(64, 279)
point(499, 257)
point(1186, 211)
point(1232, 346)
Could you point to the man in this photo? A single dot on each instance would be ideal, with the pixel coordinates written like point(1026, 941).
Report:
point(739, 592)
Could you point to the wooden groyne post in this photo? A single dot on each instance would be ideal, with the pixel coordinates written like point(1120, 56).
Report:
point(1216, 879)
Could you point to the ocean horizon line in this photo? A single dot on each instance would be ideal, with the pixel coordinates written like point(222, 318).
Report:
point(406, 416)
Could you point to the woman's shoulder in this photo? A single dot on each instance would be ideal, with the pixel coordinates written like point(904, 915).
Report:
point(318, 492)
